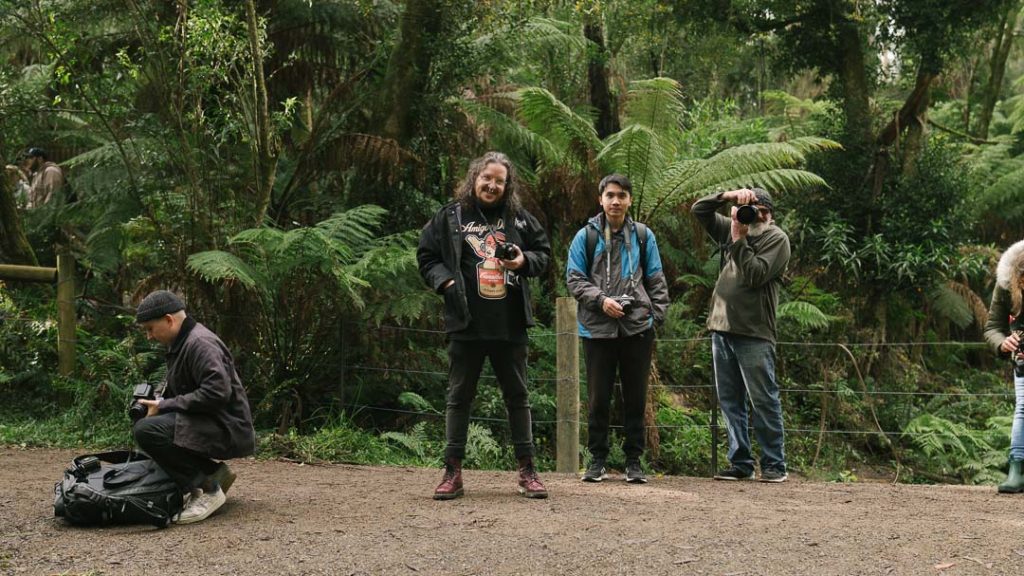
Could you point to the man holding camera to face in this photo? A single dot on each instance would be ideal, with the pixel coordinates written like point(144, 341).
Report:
point(203, 412)
point(754, 254)
point(477, 251)
point(614, 272)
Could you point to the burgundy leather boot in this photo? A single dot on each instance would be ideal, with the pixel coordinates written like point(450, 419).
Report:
point(529, 484)
point(451, 484)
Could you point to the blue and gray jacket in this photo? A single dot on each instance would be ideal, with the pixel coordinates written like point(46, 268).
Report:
point(590, 283)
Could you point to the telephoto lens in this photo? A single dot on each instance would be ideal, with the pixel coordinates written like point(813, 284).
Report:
point(746, 214)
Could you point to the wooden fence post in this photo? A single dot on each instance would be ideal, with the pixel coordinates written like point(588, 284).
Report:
point(567, 453)
point(65, 314)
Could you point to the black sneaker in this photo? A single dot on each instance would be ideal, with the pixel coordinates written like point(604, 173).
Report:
point(634, 473)
point(734, 473)
point(595, 472)
point(773, 475)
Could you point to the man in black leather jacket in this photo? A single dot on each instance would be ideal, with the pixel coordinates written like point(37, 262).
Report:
point(477, 251)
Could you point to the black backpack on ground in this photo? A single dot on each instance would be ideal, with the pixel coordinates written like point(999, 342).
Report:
point(120, 487)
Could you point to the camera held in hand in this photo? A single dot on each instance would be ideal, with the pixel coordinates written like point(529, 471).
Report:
point(747, 214)
point(1018, 362)
point(505, 251)
point(625, 301)
point(137, 411)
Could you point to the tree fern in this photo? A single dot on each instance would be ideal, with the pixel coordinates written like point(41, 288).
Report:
point(482, 450)
point(216, 266)
point(414, 401)
point(805, 314)
point(546, 115)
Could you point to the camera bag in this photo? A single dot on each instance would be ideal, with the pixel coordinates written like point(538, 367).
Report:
point(120, 487)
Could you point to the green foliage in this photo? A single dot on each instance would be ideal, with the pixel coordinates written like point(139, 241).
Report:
point(956, 450)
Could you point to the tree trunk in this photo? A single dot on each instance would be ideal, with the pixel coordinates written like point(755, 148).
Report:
point(14, 246)
point(997, 67)
point(853, 75)
point(408, 71)
point(264, 145)
point(917, 123)
point(601, 98)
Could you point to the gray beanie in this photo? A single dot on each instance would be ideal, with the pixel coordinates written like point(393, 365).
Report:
point(764, 198)
point(157, 304)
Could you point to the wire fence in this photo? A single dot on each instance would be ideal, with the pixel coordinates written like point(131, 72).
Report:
point(865, 393)
point(708, 387)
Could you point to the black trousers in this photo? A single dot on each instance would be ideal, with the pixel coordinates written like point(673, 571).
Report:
point(155, 435)
point(630, 356)
point(466, 360)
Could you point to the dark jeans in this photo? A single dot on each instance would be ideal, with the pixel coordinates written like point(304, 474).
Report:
point(631, 357)
point(745, 375)
point(466, 360)
point(155, 435)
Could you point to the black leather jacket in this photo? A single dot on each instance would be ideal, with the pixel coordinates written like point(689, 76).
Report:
point(440, 253)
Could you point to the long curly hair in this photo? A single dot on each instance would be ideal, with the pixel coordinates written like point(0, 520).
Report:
point(509, 201)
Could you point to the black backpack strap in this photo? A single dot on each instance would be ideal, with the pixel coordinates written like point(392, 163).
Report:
point(591, 246)
point(641, 235)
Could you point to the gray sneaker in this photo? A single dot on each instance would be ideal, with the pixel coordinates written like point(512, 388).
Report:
point(634, 473)
point(734, 473)
point(596, 472)
point(773, 475)
point(200, 507)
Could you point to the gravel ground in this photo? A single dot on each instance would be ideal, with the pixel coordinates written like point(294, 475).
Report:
point(286, 518)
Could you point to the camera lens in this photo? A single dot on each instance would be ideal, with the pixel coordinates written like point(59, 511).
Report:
point(137, 411)
point(746, 214)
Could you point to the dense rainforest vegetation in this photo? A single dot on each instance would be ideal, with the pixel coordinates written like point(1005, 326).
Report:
point(274, 160)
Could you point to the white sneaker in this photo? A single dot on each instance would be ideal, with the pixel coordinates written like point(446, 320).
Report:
point(201, 507)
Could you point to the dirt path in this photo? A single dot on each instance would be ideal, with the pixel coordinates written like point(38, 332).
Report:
point(283, 518)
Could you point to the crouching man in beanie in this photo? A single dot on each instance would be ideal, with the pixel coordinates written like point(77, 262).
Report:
point(477, 252)
point(203, 413)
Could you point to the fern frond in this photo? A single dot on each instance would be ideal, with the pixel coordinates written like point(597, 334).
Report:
point(655, 104)
point(974, 303)
point(634, 151)
point(548, 116)
point(218, 266)
point(414, 401)
point(805, 314)
point(506, 128)
point(355, 227)
point(537, 34)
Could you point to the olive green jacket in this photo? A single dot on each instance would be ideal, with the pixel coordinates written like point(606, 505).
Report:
point(746, 295)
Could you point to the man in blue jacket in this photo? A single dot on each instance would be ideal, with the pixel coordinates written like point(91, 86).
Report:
point(614, 272)
point(477, 252)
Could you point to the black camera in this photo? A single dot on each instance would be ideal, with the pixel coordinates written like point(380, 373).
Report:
point(1018, 362)
point(626, 301)
point(505, 251)
point(747, 213)
point(137, 411)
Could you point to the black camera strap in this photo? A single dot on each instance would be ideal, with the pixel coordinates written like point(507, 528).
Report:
point(631, 283)
point(490, 227)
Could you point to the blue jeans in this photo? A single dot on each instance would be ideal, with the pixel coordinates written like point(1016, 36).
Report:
point(745, 368)
point(1017, 430)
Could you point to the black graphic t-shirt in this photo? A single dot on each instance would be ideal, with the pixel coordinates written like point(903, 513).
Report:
point(493, 293)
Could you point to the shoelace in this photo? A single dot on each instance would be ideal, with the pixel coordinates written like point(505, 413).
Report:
point(530, 472)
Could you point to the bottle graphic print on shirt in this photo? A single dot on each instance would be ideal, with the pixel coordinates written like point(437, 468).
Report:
point(490, 277)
